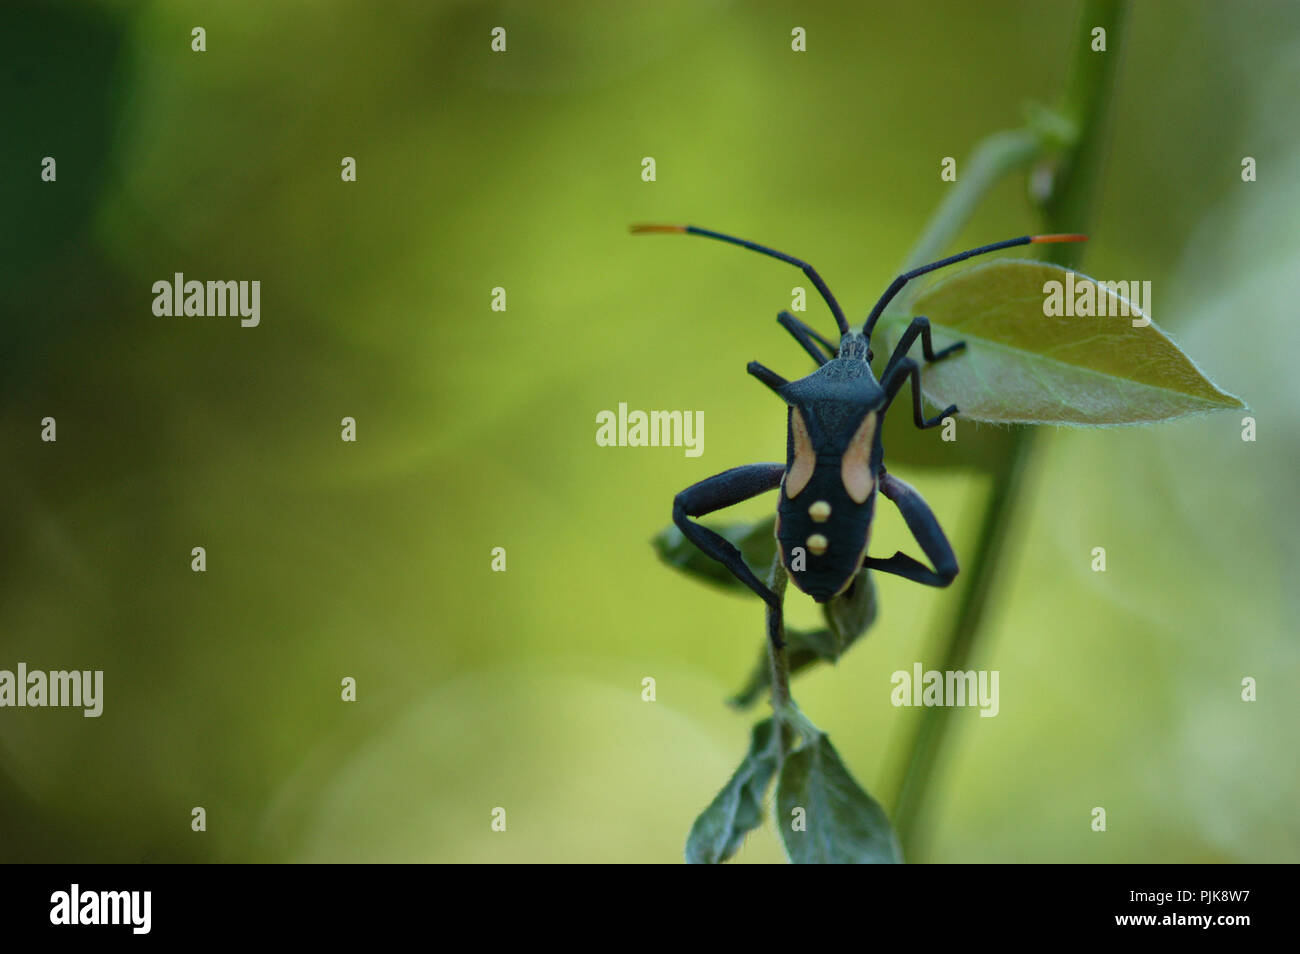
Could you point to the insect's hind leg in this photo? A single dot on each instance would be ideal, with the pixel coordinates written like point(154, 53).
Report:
point(920, 326)
point(806, 336)
point(776, 612)
point(927, 532)
point(725, 490)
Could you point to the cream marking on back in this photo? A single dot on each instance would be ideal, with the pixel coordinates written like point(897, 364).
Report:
point(805, 458)
point(855, 468)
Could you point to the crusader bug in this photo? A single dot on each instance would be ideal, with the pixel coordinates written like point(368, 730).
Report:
point(834, 459)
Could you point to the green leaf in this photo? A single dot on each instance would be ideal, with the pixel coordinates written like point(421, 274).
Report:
point(847, 617)
point(738, 809)
point(851, 614)
point(757, 543)
point(802, 649)
point(1023, 366)
point(842, 824)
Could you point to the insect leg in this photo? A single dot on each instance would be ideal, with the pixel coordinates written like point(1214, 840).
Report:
point(776, 612)
point(725, 490)
point(925, 528)
point(900, 371)
point(806, 336)
point(920, 326)
point(767, 376)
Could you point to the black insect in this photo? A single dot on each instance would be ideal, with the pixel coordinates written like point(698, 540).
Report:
point(834, 462)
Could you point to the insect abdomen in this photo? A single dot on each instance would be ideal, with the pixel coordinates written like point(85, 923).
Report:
point(822, 533)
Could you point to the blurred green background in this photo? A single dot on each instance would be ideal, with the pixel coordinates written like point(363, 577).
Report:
point(476, 428)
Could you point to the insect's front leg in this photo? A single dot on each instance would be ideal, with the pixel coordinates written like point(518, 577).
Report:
point(920, 326)
point(767, 376)
point(892, 381)
point(806, 337)
point(725, 490)
point(925, 528)
point(776, 611)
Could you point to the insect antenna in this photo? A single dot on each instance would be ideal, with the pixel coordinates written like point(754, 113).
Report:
point(904, 278)
point(807, 269)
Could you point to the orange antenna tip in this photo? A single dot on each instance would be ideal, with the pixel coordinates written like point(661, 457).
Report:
point(636, 229)
point(1046, 239)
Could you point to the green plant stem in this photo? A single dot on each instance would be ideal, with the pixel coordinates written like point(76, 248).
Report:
point(776, 581)
point(791, 722)
point(1086, 107)
point(996, 157)
point(1008, 486)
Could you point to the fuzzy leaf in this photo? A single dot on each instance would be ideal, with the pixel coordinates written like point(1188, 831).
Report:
point(1023, 366)
point(738, 809)
point(851, 614)
point(842, 823)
